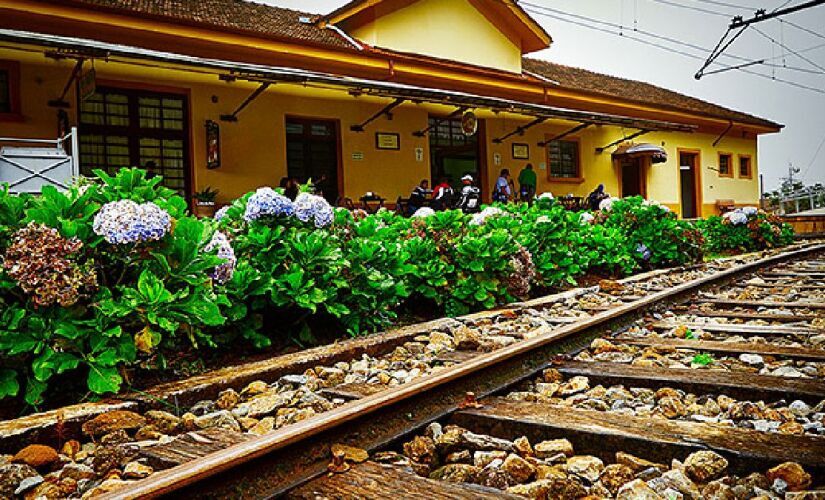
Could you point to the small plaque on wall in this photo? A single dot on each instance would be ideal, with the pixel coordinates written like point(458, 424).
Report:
point(213, 144)
point(386, 140)
point(521, 151)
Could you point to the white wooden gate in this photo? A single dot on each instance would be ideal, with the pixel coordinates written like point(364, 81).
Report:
point(27, 165)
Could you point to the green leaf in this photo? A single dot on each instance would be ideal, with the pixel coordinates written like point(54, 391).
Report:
point(103, 379)
point(9, 385)
point(34, 391)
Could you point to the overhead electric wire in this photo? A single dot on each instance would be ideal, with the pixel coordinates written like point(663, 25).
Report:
point(813, 158)
point(731, 5)
point(690, 7)
point(797, 54)
point(529, 7)
point(802, 28)
point(661, 37)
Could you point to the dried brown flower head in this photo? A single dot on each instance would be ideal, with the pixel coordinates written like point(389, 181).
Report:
point(45, 265)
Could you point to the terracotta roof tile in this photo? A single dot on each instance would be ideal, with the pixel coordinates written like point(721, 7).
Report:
point(645, 93)
point(269, 20)
point(257, 18)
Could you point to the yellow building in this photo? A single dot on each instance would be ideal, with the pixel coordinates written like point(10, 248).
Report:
point(372, 97)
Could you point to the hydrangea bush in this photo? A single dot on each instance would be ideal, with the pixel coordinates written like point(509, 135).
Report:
point(102, 279)
point(654, 236)
point(745, 229)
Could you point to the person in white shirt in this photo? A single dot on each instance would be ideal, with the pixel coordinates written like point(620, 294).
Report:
point(470, 200)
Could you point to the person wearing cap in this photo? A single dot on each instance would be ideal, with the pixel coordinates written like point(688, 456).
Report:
point(470, 200)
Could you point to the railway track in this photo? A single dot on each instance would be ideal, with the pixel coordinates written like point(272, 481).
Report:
point(728, 357)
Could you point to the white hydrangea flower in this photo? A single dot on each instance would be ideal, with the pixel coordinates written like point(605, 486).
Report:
point(481, 217)
point(547, 195)
point(749, 211)
point(586, 218)
point(424, 212)
point(607, 203)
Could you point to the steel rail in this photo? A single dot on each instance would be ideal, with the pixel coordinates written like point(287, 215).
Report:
point(253, 469)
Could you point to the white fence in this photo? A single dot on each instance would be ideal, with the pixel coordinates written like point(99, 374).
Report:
point(805, 199)
point(27, 165)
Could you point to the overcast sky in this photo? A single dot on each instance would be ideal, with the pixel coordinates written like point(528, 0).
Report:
point(699, 23)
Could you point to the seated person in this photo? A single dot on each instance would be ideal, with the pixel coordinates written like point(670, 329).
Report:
point(470, 199)
point(443, 196)
point(419, 195)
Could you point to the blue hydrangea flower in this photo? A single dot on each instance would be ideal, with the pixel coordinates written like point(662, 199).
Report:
point(221, 213)
point(736, 217)
point(267, 203)
point(309, 207)
point(223, 272)
point(749, 211)
point(125, 221)
point(643, 251)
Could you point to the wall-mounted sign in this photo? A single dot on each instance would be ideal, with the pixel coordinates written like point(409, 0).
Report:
point(213, 144)
point(419, 154)
point(496, 158)
point(387, 140)
point(469, 123)
point(357, 156)
point(521, 151)
point(87, 84)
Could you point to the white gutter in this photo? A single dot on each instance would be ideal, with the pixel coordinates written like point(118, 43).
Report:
point(345, 36)
point(541, 77)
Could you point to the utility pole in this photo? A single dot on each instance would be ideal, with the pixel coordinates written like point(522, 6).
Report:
point(789, 181)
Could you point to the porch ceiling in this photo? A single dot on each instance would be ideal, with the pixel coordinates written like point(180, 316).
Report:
point(356, 86)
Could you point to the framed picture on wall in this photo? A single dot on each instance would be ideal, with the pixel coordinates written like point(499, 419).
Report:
point(213, 145)
point(387, 140)
point(521, 151)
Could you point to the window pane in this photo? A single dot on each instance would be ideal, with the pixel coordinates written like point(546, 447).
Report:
point(320, 129)
point(294, 128)
point(5, 92)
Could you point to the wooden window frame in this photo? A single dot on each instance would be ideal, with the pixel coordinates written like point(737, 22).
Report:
point(13, 68)
point(730, 164)
point(136, 89)
point(578, 179)
point(750, 167)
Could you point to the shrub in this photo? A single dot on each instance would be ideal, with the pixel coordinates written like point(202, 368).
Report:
point(746, 229)
point(654, 235)
point(114, 274)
